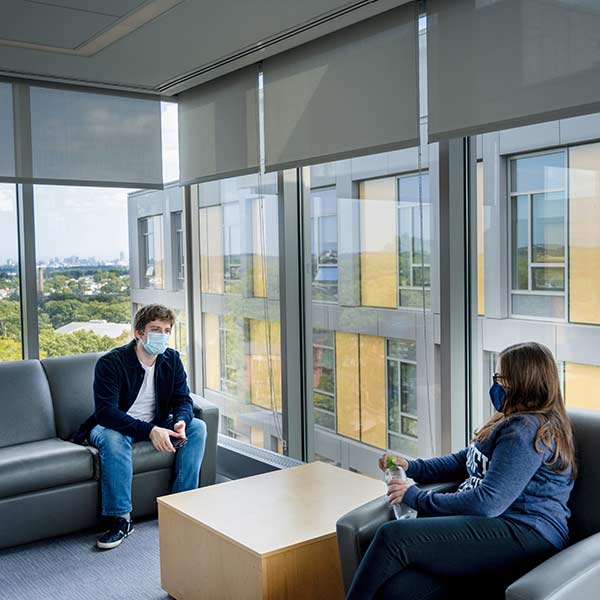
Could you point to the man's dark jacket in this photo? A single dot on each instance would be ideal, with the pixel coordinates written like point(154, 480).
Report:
point(117, 381)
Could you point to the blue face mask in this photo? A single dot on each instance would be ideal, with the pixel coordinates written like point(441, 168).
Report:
point(156, 343)
point(498, 396)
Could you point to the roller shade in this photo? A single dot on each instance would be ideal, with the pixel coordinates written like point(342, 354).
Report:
point(87, 138)
point(494, 64)
point(7, 145)
point(218, 128)
point(351, 92)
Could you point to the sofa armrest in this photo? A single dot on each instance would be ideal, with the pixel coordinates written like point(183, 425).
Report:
point(571, 574)
point(209, 413)
point(356, 529)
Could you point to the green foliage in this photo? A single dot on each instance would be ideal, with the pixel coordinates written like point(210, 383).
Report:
point(78, 342)
point(10, 349)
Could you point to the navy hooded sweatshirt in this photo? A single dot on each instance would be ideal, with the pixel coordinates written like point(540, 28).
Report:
point(504, 476)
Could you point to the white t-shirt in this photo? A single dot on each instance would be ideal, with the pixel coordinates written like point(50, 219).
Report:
point(144, 407)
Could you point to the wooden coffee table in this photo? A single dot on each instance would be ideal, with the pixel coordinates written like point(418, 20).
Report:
point(269, 536)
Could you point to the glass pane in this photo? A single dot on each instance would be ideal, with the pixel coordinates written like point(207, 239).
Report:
point(538, 173)
point(324, 401)
point(551, 307)
point(393, 396)
point(548, 237)
point(548, 279)
point(402, 349)
point(403, 445)
point(83, 278)
point(239, 260)
point(325, 419)
point(371, 320)
point(409, 388)
point(409, 427)
point(324, 244)
point(520, 242)
point(10, 305)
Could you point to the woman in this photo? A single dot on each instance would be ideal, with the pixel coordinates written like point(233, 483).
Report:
point(509, 514)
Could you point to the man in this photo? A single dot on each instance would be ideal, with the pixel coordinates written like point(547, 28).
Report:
point(141, 393)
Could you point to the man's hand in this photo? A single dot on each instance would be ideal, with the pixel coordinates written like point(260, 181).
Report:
point(396, 490)
point(398, 460)
point(179, 428)
point(161, 439)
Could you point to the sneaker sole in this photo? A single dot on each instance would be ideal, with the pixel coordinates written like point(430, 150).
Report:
point(110, 545)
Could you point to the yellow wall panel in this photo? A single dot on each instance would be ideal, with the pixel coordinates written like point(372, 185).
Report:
point(584, 233)
point(480, 243)
point(372, 390)
point(347, 384)
point(260, 385)
point(212, 363)
point(581, 381)
point(378, 243)
point(258, 267)
point(257, 437)
point(211, 249)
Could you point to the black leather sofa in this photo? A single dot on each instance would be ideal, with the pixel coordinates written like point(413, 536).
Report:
point(572, 574)
point(48, 485)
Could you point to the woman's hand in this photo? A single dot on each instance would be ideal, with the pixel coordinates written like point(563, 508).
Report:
point(396, 490)
point(398, 460)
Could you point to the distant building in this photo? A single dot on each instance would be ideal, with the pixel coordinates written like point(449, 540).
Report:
point(99, 326)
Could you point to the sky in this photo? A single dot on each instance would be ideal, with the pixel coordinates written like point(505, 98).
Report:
point(82, 221)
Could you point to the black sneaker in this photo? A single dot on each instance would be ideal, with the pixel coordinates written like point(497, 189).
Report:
point(120, 529)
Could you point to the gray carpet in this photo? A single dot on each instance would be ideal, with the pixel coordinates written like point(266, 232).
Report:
point(71, 567)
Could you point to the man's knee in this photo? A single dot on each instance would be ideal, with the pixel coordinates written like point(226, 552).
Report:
point(196, 428)
point(111, 441)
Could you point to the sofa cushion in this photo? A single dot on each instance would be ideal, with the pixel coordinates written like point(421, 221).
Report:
point(40, 465)
point(71, 380)
point(146, 458)
point(25, 403)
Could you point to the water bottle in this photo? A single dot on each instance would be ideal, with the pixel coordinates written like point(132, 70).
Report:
point(395, 472)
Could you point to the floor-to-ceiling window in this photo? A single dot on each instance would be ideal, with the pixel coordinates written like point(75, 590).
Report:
point(10, 306)
point(239, 289)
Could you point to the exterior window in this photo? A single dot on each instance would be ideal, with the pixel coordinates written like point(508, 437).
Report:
point(402, 396)
point(151, 252)
point(229, 369)
point(538, 207)
point(178, 240)
point(231, 248)
point(10, 297)
point(324, 244)
point(414, 241)
point(324, 378)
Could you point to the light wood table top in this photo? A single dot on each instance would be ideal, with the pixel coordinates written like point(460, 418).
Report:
point(268, 513)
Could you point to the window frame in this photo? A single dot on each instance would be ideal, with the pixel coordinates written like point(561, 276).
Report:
point(315, 221)
point(331, 395)
point(530, 264)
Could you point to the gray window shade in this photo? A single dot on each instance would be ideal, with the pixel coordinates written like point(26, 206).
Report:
point(218, 128)
point(495, 64)
point(86, 138)
point(7, 144)
point(351, 92)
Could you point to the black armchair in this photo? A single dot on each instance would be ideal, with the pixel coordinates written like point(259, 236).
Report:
point(573, 573)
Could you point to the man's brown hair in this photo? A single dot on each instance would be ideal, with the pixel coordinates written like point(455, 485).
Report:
point(152, 312)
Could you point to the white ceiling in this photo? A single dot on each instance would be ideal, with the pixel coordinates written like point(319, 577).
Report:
point(124, 44)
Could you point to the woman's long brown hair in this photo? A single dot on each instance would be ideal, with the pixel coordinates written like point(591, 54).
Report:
point(530, 379)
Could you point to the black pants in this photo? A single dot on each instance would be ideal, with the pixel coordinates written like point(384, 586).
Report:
point(447, 557)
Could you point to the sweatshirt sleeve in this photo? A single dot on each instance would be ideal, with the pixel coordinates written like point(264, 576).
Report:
point(106, 401)
point(513, 463)
point(452, 467)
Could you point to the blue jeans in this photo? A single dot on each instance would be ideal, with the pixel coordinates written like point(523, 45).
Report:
point(116, 466)
point(447, 557)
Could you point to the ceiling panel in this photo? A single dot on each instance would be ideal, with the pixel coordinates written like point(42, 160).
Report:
point(194, 34)
point(117, 8)
point(35, 23)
